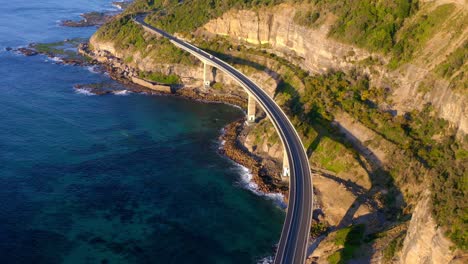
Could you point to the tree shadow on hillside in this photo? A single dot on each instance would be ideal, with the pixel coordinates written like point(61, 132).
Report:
point(383, 190)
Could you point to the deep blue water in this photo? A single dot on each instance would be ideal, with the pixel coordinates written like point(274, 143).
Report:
point(113, 179)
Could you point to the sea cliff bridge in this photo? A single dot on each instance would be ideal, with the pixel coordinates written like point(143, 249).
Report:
point(294, 236)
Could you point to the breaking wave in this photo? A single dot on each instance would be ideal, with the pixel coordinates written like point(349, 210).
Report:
point(266, 260)
point(247, 183)
point(83, 91)
point(92, 69)
point(122, 92)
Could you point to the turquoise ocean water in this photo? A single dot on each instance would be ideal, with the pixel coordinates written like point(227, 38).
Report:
point(113, 179)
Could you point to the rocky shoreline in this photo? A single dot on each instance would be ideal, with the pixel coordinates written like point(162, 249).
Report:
point(235, 150)
point(63, 52)
point(89, 20)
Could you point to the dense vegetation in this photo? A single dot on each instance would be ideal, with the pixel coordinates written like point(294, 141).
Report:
point(419, 133)
point(306, 17)
point(371, 24)
point(350, 238)
point(128, 36)
point(455, 68)
point(160, 78)
point(417, 33)
point(454, 61)
point(366, 23)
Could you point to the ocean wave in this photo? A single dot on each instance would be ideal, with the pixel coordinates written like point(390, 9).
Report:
point(84, 92)
point(222, 142)
point(247, 183)
point(246, 179)
point(92, 69)
point(122, 92)
point(266, 260)
point(117, 6)
point(54, 59)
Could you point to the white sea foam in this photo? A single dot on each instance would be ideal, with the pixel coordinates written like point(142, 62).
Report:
point(266, 260)
point(56, 59)
point(247, 183)
point(84, 92)
point(117, 6)
point(92, 69)
point(222, 142)
point(122, 92)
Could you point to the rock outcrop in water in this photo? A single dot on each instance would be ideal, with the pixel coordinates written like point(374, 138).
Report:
point(89, 19)
point(27, 51)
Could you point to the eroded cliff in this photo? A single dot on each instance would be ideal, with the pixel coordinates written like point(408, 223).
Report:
point(311, 48)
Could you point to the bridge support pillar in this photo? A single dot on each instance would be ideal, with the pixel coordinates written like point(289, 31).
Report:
point(286, 171)
point(206, 78)
point(251, 107)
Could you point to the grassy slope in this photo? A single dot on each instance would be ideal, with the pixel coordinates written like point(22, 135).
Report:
point(378, 26)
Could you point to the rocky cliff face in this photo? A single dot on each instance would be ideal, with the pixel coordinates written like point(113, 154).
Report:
point(275, 27)
point(425, 242)
point(451, 105)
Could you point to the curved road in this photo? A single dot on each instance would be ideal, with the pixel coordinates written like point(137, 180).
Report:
point(294, 236)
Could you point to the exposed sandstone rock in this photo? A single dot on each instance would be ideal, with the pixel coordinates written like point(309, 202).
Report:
point(275, 27)
point(425, 242)
point(451, 105)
